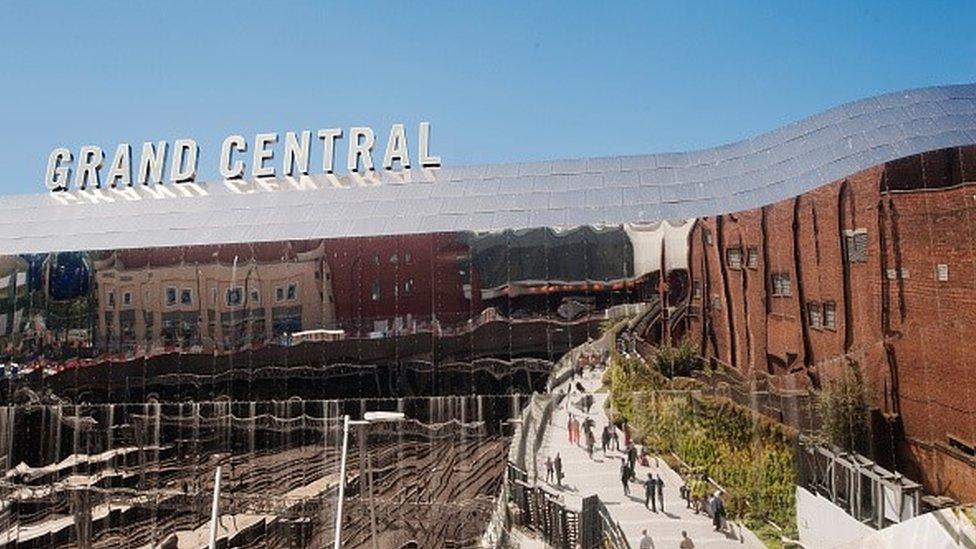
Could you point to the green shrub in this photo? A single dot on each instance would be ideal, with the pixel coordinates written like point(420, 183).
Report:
point(750, 455)
point(843, 408)
point(679, 360)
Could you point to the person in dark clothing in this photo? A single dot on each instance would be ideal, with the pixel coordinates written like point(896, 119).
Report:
point(649, 486)
point(631, 456)
point(605, 439)
point(625, 477)
point(660, 491)
point(718, 517)
point(558, 465)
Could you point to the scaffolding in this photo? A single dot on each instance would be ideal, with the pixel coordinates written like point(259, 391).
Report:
point(871, 494)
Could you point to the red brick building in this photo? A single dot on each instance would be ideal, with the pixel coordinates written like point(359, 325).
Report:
point(879, 267)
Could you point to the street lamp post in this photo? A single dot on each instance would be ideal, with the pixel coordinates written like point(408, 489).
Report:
point(368, 418)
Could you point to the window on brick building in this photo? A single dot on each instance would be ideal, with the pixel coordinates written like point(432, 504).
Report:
point(752, 257)
point(814, 317)
point(375, 293)
point(707, 236)
point(408, 287)
point(733, 257)
point(829, 315)
point(234, 296)
point(696, 289)
point(782, 286)
point(856, 245)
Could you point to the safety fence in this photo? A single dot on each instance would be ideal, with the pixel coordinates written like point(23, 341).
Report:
point(542, 511)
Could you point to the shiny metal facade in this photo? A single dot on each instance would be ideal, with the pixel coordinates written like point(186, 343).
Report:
point(592, 191)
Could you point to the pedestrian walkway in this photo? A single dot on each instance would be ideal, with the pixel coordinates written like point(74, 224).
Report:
point(600, 475)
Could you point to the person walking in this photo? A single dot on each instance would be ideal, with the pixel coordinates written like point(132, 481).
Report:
point(558, 466)
point(718, 512)
point(615, 437)
point(569, 428)
point(649, 486)
point(686, 542)
point(646, 542)
point(590, 442)
point(631, 457)
point(605, 438)
point(549, 469)
point(660, 491)
point(625, 476)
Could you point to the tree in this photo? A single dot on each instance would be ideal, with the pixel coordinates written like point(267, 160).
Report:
point(680, 360)
point(843, 408)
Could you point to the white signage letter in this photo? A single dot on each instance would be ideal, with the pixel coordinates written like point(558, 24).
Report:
point(396, 148)
point(296, 153)
point(328, 156)
point(185, 156)
point(262, 153)
point(426, 160)
point(235, 170)
point(151, 163)
point(360, 144)
point(120, 174)
point(56, 176)
point(90, 160)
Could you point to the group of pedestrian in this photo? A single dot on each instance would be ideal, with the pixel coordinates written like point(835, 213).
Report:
point(653, 486)
point(610, 436)
point(647, 543)
point(695, 492)
point(554, 468)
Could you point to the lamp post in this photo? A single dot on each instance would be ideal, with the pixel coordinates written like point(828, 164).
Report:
point(368, 418)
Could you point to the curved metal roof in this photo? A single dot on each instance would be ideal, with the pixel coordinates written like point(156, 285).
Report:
point(591, 191)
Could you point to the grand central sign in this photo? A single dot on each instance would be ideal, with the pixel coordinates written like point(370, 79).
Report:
point(90, 171)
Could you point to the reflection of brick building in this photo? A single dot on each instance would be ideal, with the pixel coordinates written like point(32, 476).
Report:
point(878, 267)
point(220, 297)
point(382, 282)
point(13, 292)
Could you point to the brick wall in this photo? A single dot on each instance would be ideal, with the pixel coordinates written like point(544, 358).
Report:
point(909, 329)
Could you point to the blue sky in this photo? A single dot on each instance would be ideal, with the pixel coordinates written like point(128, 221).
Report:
point(498, 81)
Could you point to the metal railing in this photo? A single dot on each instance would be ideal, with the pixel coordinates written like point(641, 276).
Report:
point(542, 511)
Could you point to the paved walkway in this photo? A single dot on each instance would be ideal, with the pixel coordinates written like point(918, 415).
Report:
point(600, 475)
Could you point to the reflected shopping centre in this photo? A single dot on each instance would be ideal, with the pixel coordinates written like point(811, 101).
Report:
point(146, 341)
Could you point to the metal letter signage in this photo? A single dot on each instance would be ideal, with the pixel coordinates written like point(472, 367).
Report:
point(84, 172)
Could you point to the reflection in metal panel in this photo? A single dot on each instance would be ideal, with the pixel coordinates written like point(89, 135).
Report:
point(780, 164)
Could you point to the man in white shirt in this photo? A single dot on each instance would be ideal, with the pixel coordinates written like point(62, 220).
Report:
point(646, 542)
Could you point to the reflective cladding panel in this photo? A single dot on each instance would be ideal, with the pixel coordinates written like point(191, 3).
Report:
point(724, 338)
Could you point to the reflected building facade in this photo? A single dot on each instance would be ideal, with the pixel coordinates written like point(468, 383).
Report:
point(876, 268)
point(238, 323)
